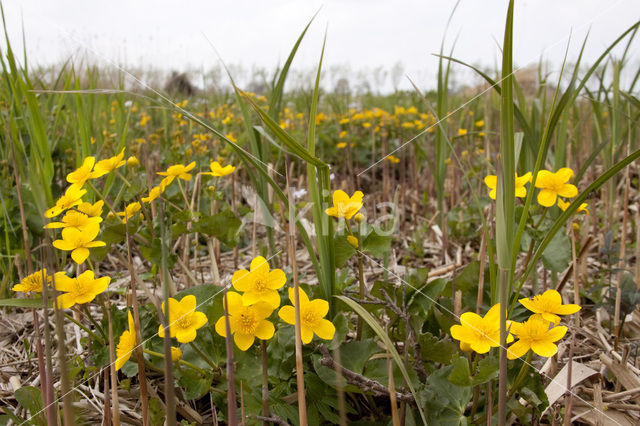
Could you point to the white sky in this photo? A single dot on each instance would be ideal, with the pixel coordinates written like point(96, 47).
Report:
point(361, 34)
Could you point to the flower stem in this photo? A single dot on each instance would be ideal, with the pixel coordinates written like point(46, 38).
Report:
point(183, 362)
point(85, 328)
point(521, 375)
point(265, 382)
point(204, 356)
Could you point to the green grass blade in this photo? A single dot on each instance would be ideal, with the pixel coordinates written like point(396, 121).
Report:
point(371, 321)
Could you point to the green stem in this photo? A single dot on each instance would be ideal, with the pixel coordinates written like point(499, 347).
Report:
point(521, 375)
point(115, 213)
point(183, 362)
point(93, 321)
point(361, 279)
point(85, 328)
point(204, 356)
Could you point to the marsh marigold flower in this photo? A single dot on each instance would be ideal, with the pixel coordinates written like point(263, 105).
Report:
point(492, 182)
point(79, 242)
point(153, 194)
point(126, 344)
point(312, 313)
point(178, 171)
point(218, 171)
point(108, 165)
point(246, 322)
point(564, 204)
point(71, 198)
point(536, 335)
point(549, 305)
point(184, 320)
point(83, 173)
point(479, 333)
point(176, 354)
point(33, 282)
point(345, 206)
point(129, 211)
point(89, 209)
point(554, 185)
point(82, 289)
point(259, 284)
point(75, 219)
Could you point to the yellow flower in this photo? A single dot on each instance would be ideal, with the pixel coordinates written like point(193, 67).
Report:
point(341, 145)
point(176, 354)
point(312, 313)
point(564, 204)
point(549, 305)
point(352, 240)
point(462, 132)
point(133, 161)
point(33, 282)
point(481, 333)
point(259, 284)
point(72, 197)
point(178, 171)
point(79, 242)
point(110, 164)
point(246, 322)
point(535, 334)
point(184, 320)
point(93, 210)
point(554, 185)
point(126, 344)
point(343, 206)
point(82, 289)
point(74, 219)
point(393, 159)
point(479, 123)
point(129, 211)
point(492, 182)
point(218, 171)
point(82, 173)
point(154, 193)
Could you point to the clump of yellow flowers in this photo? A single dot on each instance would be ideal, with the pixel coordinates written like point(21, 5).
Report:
point(539, 333)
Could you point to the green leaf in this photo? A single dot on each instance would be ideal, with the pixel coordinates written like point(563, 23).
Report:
point(31, 399)
point(557, 255)
point(343, 251)
point(422, 301)
point(437, 350)
point(194, 384)
point(355, 354)
point(22, 303)
point(224, 226)
point(371, 321)
point(488, 369)
point(460, 375)
point(376, 244)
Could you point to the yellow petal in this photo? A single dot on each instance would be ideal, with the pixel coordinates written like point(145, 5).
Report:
point(491, 181)
point(80, 254)
point(287, 314)
point(544, 179)
point(547, 198)
point(241, 280)
point(568, 191)
point(517, 350)
point(325, 329)
point(556, 333)
point(188, 303)
point(306, 334)
point(545, 349)
point(186, 336)
point(567, 309)
point(319, 307)
point(276, 279)
point(243, 341)
point(265, 330)
point(221, 327)
point(564, 174)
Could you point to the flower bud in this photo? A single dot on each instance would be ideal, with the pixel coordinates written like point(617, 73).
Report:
point(352, 240)
point(176, 354)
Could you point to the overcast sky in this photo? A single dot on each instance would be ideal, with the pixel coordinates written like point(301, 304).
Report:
point(361, 34)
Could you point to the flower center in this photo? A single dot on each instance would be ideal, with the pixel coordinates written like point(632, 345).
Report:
point(80, 288)
point(247, 323)
point(309, 318)
point(184, 321)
